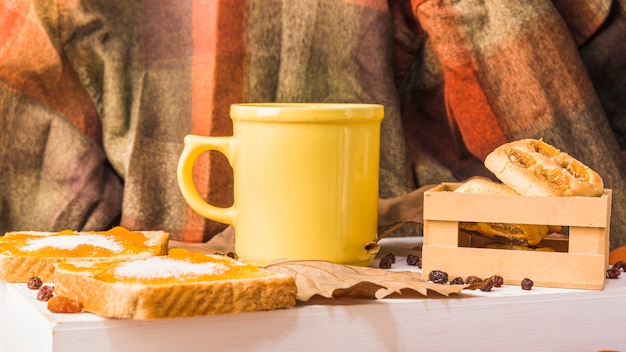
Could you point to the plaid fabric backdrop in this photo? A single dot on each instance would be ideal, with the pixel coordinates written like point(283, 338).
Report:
point(96, 96)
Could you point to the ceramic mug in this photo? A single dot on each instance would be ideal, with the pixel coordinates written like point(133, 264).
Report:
point(305, 180)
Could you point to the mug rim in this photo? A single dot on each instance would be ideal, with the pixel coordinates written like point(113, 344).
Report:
point(275, 111)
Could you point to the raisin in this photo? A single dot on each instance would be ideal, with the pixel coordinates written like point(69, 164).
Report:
point(498, 281)
point(385, 262)
point(412, 259)
point(60, 304)
point(232, 255)
point(34, 283)
point(613, 273)
point(45, 293)
point(472, 279)
point(619, 265)
point(488, 286)
point(527, 284)
point(457, 281)
point(438, 276)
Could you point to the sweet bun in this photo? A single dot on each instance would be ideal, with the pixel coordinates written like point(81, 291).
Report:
point(498, 245)
point(512, 234)
point(534, 168)
point(481, 184)
point(518, 234)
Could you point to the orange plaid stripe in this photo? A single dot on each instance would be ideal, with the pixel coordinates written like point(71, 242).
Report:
point(219, 56)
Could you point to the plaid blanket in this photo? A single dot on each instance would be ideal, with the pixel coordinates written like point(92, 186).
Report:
point(96, 96)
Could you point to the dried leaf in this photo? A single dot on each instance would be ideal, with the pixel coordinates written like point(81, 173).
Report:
point(401, 209)
point(337, 280)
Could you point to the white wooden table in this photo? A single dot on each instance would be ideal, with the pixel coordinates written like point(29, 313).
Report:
point(507, 318)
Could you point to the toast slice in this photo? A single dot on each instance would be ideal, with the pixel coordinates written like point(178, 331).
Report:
point(181, 284)
point(27, 254)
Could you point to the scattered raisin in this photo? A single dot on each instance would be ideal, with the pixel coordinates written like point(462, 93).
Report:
point(619, 265)
point(488, 286)
point(527, 284)
point(470, 280)
point(232, 255)
point(498, 281)
point(392, 257)
point(457, 281)
point(438, 276)
point(413, 259)
point(34, 283)
point(45, 293)
point(385, 262)
point(613, 273)
point(60, 304)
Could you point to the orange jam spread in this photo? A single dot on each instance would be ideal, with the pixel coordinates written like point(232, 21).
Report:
point(114, 242)
point(179, 266)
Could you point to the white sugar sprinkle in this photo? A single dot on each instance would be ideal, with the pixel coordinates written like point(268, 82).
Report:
point(71, 242)
point(157, 267)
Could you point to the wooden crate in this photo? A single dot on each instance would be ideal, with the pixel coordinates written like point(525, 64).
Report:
point(581, 258)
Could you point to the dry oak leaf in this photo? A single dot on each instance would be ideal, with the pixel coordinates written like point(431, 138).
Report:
point(338, 280)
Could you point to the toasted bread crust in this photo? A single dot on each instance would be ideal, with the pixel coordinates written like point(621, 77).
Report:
point(145, 301)
point(16, 268)
point(20, 269)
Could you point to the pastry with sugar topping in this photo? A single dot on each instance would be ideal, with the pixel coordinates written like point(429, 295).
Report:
point(534, 168)
point(27, 254)
point(512, 234)
point(181, 284)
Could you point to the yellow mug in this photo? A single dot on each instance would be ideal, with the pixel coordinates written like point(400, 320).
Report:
point(305, 180)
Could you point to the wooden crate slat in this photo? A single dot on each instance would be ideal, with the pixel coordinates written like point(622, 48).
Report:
point(583, 265)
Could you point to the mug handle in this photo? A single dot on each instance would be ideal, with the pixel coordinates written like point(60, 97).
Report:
point(194, 146)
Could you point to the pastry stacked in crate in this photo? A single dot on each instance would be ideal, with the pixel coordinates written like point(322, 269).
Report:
point(486, 228)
